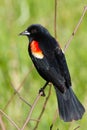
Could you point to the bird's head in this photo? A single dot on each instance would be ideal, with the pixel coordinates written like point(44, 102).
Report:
point(35, 30)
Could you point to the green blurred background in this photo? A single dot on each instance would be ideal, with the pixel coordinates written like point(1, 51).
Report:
point(16, 16)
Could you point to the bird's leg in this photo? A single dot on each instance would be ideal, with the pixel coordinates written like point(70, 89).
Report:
point(41, 91)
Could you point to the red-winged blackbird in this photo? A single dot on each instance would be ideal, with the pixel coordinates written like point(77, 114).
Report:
point(50, 63)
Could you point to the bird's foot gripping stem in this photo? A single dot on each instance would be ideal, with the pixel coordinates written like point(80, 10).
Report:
point(41, 91)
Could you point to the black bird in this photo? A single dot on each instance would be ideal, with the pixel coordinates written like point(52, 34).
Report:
point(50, 62)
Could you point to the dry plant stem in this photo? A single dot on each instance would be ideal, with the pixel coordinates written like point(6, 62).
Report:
point(17, 89)
point(20, 96)
point(23, 100)
point(43, 109)
point(75, 30)
point(54, 119)
point(2, 124)
point(36, 120)
point(11, 121)
point(31, 110)
point(55, 17)
point(77, 127)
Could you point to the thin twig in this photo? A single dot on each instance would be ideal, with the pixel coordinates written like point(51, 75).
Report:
point(55, 19)
point(20, 95)
point(75, 30)
point(11, 121)
point(43, 109)
point(11, 98)
point(2, 124)
point(55, 32)
point(31, 110)
point(77, 127)
point(36, 120)
point(23, 100)
point(54, 119)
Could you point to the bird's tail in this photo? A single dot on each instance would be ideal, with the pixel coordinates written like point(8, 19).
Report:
point(69, 106)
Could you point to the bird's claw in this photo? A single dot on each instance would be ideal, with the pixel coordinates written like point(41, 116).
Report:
point(41, 92)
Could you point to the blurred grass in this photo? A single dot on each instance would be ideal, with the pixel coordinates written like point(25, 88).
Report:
point(15, 63)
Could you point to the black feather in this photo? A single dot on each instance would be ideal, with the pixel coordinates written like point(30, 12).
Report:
point(69, 106)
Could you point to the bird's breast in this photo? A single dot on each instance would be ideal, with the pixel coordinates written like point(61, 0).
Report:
point(36, 50)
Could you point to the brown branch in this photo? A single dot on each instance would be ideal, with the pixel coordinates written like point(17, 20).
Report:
point(11, 98)
point(31, 110)
point(43, 109)
point(20, 96)
point(77, 127)
point(2, 124)
point(55, 19)
point(36, 120)
point(54, 119)
point(11, 121)
point(75, 30)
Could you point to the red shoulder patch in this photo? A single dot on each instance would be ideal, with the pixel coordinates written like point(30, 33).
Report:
point(35, 49)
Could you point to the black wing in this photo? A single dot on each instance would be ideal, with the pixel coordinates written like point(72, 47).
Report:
point(50, 73)
point(63, 66)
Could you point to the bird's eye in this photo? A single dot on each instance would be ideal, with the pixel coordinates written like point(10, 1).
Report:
point(33, 31)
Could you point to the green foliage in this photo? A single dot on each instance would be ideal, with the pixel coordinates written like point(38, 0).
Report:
point(15, 63)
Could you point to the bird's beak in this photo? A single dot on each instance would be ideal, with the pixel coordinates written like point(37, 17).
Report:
point(26, 33)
